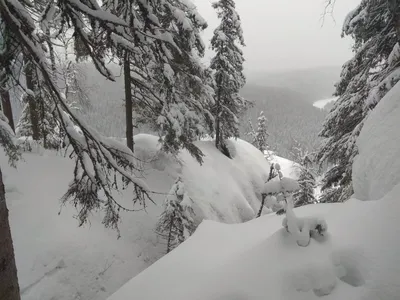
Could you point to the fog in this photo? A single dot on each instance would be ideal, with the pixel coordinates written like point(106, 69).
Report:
point(287, 34)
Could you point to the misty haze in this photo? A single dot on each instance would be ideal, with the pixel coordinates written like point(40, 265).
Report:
point(199, 149)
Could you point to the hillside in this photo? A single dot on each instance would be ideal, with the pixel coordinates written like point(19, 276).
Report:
point(356, 259)
point(313, 84)
point(289, 117)
point(285, 109)
point(58, 260)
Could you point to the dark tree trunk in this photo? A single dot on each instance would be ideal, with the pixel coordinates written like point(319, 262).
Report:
point(33, 110)
point(9, 288)
point(218, 134)
point(128, 102)
point(7, 109)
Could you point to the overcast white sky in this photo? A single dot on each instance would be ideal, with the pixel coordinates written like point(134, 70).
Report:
point(287, 34)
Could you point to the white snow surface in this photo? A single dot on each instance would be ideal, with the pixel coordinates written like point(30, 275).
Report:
point(321, 103)
point(376, 169)
point(357, 259)
point(58, 260)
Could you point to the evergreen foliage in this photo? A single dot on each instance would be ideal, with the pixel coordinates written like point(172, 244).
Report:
point(365, 79)
point(307, 183)
point(227, 68)
point(176, 223)
point(259, 137)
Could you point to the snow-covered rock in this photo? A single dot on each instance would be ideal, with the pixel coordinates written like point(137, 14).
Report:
point(376, 169)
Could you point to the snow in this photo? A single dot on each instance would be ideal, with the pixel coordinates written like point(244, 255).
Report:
point(260, 259)
point(322, 103)
point(58, 260)
point(288, 168)
point(376, 168)
point(283, 185)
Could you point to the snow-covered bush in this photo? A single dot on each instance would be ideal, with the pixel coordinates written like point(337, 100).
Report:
point(282, 190)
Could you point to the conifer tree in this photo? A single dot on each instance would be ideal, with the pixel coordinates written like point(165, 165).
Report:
point(307, 182)
point(227, 66)
point(259, 137)
point(365, 79)
point(178, 105)
point(176, 223)
point(262, 133)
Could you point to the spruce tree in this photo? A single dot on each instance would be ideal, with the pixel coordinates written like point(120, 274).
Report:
point(307, 182)
point(227, 66)
point(176, 223)
point(167, 80)
point(262, 133)
point(259, 137)
point(365, 79)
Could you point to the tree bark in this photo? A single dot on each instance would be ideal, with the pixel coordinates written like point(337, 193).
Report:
point(7, 109)
point(128, 102)
point(218, 137)
point(9, 288)
point(33, 110)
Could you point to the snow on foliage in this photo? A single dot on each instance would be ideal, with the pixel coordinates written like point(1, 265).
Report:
point(176, 222)
point(365, 80)
point(227, 72)
point(376, 168)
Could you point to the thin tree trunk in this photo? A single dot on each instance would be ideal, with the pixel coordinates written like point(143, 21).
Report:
point(7, 109)
point(33, 111)
point(9, 288)
point(128, 102)
point(218, 138)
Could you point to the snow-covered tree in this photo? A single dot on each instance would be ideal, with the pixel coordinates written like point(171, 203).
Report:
point(176, 222)
point(6, 44)
point(37, 121)
point(227, 66)
point(167, 80)
point(9, 288)
point(259, 137)
point(307, 182)
point(179, 107)
point(365, 79)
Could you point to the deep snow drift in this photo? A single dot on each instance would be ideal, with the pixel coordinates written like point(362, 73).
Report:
point(376, 169)
point(357, 259)
point(58, 260)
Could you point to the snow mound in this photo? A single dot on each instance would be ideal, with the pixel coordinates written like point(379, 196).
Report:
point(223, 189)
point(376, 168)
point(58, 260)
point(260, 260)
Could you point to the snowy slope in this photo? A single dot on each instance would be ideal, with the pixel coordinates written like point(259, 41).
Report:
point(260, 260)
point(58, 260)
point(376, 169)
point(358, 259)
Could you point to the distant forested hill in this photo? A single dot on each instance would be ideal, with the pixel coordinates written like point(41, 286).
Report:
point(289, 116)
point(314, 84)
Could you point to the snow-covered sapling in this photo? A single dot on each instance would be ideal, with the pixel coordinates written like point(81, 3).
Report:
point(176, 223)
point(307, 182)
